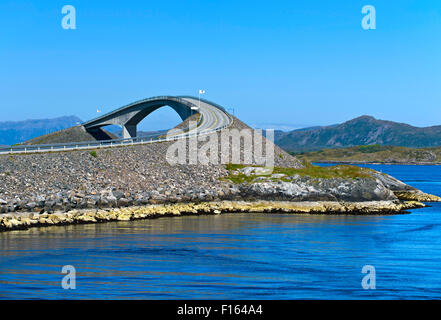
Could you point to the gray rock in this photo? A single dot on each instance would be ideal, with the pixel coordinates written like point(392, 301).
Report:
point(123, 202)
point(118, 195)
point(278, 175)
point(390, 182)
point(255, 171)
point(30, 205)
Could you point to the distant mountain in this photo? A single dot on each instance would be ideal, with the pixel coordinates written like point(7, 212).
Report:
point(13, 132)
point(364, 130)
point(279, 134)
point(375, 154)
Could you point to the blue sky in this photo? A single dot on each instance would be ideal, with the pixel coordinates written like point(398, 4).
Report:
point(282, 63)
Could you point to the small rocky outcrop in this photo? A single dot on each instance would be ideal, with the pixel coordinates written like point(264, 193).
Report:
point(306, 189)
point(403, 191)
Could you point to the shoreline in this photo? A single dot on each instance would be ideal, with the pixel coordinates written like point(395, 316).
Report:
point(27, 220)
point(379, 162)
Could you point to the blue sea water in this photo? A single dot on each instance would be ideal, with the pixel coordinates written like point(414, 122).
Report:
point(235, 256)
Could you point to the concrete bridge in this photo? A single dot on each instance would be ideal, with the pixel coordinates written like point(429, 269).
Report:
point(128, 117)
point(213, 118)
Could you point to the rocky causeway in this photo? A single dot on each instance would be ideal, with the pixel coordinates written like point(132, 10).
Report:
point(135, 182)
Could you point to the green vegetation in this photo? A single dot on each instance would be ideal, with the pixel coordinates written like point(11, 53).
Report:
point(44, 139)
point(376, 154)
point(93, 153)
point(239, 178)
point(373, 148)
point(341, 171)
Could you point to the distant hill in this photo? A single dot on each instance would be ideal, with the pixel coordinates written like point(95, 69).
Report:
point(73, 134)
point(279, 134)
point(375, 154)
point(364, 130)
point(13, 132)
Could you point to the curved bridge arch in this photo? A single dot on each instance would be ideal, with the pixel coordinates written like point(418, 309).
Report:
point(130, 115)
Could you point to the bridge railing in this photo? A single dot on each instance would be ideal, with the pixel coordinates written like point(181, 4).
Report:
point(57, 147)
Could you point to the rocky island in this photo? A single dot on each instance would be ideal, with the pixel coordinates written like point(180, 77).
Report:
point(137, 182)
point(377, 154)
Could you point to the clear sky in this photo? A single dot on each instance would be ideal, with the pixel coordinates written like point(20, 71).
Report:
point(282, 63)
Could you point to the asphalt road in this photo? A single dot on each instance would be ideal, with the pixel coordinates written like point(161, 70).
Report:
point(213, 118)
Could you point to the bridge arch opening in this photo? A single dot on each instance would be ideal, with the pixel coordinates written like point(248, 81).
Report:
point(153, 125)
point(158, 122)
point(130, 116)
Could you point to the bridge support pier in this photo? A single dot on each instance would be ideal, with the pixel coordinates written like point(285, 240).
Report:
point(129, 131)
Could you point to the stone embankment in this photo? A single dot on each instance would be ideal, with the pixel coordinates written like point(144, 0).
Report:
point(136, 182)
point(117, 177)
point(21, 221)
point(185, 184)
point(380, 194)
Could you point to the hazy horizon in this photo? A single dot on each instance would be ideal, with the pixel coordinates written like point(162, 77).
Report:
point(156, 122)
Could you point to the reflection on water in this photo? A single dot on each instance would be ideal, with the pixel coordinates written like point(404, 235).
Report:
point(233, 256)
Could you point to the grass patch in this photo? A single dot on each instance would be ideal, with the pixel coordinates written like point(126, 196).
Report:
point(93, 153)
point(44, 139)
point(237, 178)
point(341, 171)
point(231, 166)
point(372, 148)
point(315, 172)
